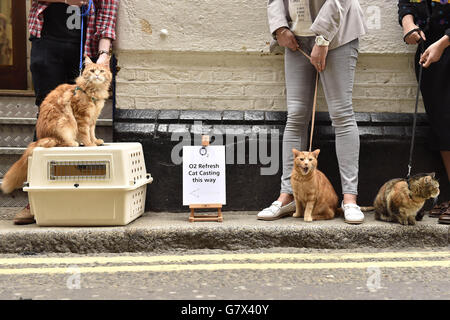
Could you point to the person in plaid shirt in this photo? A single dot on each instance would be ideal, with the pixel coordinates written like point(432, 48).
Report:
point(49, 23)
point(55, 35)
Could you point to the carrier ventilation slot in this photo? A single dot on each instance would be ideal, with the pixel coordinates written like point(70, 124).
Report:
point(78, 170)
point(137, 166)
point(138, 198)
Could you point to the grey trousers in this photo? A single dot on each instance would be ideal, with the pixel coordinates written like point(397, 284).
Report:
point(337, 82)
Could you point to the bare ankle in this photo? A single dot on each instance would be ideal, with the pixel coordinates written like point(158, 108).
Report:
point(349, 198)
point(285, 198)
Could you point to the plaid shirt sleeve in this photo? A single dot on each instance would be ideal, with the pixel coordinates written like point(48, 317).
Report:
point(106, 16)
point(101, 24)
point(35, 18)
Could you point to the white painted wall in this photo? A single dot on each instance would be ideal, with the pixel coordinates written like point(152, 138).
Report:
point(216, 56)
point(231, 26)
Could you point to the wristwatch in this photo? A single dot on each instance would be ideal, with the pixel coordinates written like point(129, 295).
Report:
point(284, 29)
point(322, 42)
point(100, 52)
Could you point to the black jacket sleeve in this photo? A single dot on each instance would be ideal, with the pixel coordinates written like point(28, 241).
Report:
point(406, 7)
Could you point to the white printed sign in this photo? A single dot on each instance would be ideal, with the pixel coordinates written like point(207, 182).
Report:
point(204, 175)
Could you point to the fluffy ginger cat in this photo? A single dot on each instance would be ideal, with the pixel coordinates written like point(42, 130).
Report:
point(315, 198)
point(399, 200)
point(67, 118)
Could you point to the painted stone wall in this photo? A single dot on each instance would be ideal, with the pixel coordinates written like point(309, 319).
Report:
point(215, 55)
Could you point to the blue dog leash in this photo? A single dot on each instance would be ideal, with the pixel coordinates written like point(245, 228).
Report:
point(82, 15)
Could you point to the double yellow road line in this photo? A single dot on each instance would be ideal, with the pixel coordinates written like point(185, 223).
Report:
point(213, 262)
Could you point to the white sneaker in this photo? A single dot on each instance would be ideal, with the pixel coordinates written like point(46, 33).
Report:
point(276, 211)
point(352, 213)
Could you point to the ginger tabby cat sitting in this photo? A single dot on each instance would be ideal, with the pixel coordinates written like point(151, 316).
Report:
point(67, 118)
point(315, 198)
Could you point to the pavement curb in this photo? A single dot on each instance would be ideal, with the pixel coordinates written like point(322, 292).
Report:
point(169, 231)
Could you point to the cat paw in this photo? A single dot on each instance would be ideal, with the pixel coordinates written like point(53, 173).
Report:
point(296, 214)
point(308, 219)
point(88, 145)
point(99, 142)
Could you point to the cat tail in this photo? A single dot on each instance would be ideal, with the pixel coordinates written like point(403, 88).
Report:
point(17, 174)
point(340, 211)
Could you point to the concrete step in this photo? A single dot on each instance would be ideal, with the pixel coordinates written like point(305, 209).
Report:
point(7, 157)
point(19, 132)
point(24, 107)
point(240, 230)
point(16, 199)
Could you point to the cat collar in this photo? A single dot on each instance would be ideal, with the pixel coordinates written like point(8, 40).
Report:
point(79, 89)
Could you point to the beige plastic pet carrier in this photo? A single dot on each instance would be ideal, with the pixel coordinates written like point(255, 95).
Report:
point(87, 186)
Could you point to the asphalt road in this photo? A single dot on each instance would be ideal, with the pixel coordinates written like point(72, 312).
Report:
point(213, 274)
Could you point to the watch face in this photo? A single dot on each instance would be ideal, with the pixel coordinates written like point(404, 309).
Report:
point(320, 41)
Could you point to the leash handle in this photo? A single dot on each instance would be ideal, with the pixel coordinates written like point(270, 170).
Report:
point(410, 33)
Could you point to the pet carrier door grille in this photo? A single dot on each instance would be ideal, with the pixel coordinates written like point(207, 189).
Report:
point(78, 170)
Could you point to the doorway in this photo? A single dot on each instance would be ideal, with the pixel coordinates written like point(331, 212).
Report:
point(13, 50)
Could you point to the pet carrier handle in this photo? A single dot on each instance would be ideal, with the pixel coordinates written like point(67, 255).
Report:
point(148, 179)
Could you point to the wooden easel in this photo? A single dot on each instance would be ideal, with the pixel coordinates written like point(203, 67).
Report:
point(218, 206)
point(206, 217)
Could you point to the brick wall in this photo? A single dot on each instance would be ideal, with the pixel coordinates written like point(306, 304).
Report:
point(216, 56)
point(222, 81)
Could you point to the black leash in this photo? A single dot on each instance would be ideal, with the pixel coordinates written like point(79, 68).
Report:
point(422, 49)
point(114, 70)
point(422, 211)
point(413, 137)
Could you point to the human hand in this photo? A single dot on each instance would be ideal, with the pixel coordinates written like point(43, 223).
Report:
point(319, 57)
point(77, 3)
point(103, 59)
point(433, 53)
point(286, 38)
point(413, 38)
